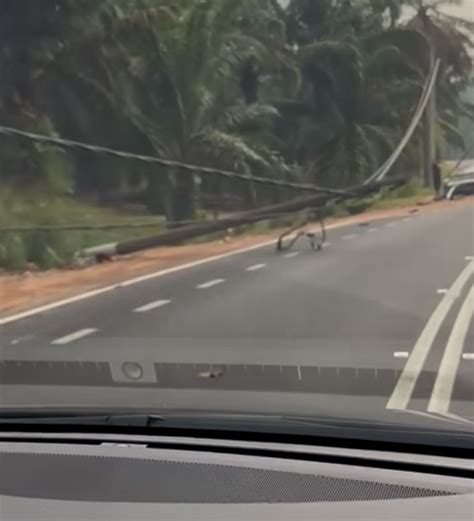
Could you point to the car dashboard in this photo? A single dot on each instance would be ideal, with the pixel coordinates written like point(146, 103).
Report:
point(103, 478)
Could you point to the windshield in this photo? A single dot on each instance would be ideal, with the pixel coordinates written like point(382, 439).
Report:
point(239, 207)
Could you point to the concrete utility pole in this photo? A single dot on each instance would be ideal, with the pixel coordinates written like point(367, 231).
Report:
point(429, 131)
point(430, 115)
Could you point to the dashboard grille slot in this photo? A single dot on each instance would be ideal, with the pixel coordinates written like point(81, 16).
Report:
point(117, 479)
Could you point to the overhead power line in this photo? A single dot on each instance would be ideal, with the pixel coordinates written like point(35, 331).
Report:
point(69, 144)
point(377, 176)
point(321, 195)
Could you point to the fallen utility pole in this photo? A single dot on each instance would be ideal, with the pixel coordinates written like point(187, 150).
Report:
point(179, 235)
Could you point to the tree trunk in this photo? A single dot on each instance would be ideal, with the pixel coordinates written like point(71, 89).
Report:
point(421, 158)
point(183, 196)
point(249, 82)
point(158, 192)
point(428, 157)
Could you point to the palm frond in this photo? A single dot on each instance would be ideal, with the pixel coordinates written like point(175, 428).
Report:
point(243, 116)
point(232, 147)
point(452, 134)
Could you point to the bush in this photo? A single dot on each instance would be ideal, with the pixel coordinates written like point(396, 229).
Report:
point(48, 259)
point(355, 207)
point(409, 189)
point(335, 211)
point(66, 244)
point(52, 249)
point(13, 255)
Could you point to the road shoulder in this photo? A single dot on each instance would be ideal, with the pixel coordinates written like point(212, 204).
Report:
point(30, 290)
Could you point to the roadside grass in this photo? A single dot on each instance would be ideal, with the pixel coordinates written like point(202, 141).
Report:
point(53, 249)
point(43, 250)
point(410, 194)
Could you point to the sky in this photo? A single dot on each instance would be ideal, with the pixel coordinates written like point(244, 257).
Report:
point(465, 10)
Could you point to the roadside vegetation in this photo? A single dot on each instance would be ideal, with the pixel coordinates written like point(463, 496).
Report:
point(313, 91)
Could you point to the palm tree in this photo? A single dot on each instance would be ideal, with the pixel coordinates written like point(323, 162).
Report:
point(451, 40)
point(354, 101)
point(31, 33)
point(176, 80)
point(361, 84)
point(363, 100)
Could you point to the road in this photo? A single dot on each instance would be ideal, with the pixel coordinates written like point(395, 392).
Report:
point(378, 322)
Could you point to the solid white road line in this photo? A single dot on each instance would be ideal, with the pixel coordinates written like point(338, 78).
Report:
point(468, 356)
point(444, 384)
point(291, 255)
point(256, 267)
point(349, 237)
point(73, 336)
point(151, 306)
point(131, 282)
point(210, 284)
point(407, 381)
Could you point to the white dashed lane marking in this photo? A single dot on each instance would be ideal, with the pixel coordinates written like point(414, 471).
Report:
point(152, 305)
point(256, 267)
point(401, 354)
point(468, 356)
point(349, 237)
point(22, 340)
point(291, 255)
point(373, 230)
point(74, 336)
point(210, 284)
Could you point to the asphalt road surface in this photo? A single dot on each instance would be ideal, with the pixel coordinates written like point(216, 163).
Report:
point(379, 321)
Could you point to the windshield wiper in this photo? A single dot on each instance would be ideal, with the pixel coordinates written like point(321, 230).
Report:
point(118, 420)
point(209, 421)
point(252, 426)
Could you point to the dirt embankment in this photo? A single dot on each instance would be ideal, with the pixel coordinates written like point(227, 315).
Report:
point(29, 290)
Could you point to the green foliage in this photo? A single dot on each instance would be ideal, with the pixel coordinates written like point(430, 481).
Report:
point(48, 249)
point(56, 249)
point(409, 189)
point(410, 193)
point(359, 206)
point(312, 91)
point(13, 255)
